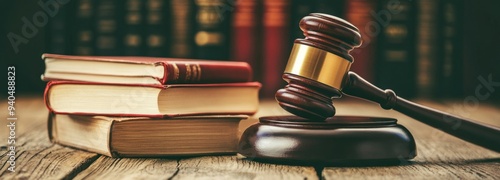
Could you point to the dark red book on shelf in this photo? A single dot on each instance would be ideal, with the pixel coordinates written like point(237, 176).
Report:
point(84, 98)
point(143, 70)
point(245, 31)
point(276, 32)
point(358, 13)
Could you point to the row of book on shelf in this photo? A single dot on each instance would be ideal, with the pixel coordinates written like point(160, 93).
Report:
point(143, 107)
point(412, 47)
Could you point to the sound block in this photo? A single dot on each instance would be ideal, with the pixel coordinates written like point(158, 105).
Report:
point(338, 140)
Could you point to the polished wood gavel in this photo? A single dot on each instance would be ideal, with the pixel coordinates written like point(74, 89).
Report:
point(318, 70)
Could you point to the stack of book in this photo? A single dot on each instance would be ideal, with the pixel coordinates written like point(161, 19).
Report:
point(145, 106)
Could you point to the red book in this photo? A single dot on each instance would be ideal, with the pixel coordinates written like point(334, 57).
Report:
point(244, 33)
point(276, 47)
point(83, 98)
point(143, 70)
point(358, 13)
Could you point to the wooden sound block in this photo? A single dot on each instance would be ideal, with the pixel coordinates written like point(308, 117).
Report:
point(338, 140)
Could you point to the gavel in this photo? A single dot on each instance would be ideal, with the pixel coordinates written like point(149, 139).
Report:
point(317, 72)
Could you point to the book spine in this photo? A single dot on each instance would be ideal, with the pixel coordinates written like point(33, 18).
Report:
point(84, 34)
point(192, 72)
point(133, 40)
point(181, 31)
point(333, 7)
point(107, 27)
point(57, 33)
point(244, 34)
point(427, 47)
point(276, 20)
point(299, 9)
point(212, 29)
point(157, 28)
point(395, 60)
point(358, 13)
point(451, 49)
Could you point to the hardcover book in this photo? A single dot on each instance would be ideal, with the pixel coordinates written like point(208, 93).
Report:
point(84, 35)
point(146, 137)
point(73, 97)
point(133, 40)
point(142, 70)
point(276, 49)
point(395, 56)
point(245, 34)
point(358, 13)
point(212, 29)
point(108, 26)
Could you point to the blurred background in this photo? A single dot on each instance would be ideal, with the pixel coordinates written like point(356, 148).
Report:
point(419, 48)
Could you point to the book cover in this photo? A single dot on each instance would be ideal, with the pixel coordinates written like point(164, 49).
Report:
point(162, 70)
point(276, 48)
point(246, 35)
point(358, 13)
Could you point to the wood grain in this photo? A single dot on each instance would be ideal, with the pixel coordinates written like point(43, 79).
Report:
point(439, 155)
point(207, 167)
point(36, 157)
point(129, 168)
point(30, 112)
point(231, 167)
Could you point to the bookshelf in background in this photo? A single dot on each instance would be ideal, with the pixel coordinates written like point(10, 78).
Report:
point(358, 13)
point(212, 30)
point(133, 40)
point(450, 67)
point(181, 28)
point(427, 56)
point(261, 33)
point(395, 63)
point(58, 40)
point(156, 37)
point(108, 27)
point(83, 33)
point(276, 34)
point(245, 34)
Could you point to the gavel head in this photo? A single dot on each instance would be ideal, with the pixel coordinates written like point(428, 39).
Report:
point(317, 66)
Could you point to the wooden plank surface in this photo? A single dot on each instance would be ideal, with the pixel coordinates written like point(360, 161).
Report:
point(206, 167)
point(36, 157)
point(230, 167)
point(439, 155)
point(130, 168)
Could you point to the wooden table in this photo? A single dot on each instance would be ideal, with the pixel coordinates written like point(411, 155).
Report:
point(440, 156)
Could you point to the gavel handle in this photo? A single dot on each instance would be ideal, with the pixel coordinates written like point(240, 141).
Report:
point(480, 134)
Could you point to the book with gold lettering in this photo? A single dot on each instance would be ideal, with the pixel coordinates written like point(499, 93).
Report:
point(143, 70)
point(146, 137)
